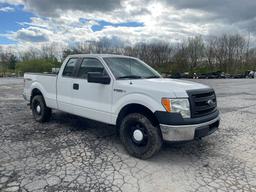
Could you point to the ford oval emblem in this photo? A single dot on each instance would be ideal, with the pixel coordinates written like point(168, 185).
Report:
point(210, 102)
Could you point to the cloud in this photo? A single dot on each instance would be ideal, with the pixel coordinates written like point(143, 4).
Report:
point(6, 9)
point(53, 30)
point(67, 22)
point(231, 10)
point(12, 2)
point(57, 7)
point(30, 34)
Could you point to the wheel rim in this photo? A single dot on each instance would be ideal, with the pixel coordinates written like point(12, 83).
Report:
point(138, 134)
point(37, 108)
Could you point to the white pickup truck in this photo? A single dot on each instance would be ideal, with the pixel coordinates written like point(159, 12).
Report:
point(124, 91)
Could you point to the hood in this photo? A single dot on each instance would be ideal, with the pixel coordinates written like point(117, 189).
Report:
point(173, 86)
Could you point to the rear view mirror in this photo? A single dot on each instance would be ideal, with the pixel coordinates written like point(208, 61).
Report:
point(97, 77)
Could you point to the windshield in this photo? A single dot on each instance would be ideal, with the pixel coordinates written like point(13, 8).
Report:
point(129, 68)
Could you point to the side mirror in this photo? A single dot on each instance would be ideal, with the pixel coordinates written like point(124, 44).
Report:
point(96, 77)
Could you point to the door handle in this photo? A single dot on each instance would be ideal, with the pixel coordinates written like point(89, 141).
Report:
point(76, 86)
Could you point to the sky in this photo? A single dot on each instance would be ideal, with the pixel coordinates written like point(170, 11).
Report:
point(30, 23)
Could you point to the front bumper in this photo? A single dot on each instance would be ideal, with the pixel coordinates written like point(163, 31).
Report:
point(175, 128)
point(189, 132)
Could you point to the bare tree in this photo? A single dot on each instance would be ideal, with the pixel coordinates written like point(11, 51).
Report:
point(229, 53)
point(195, 51)
point(181, 57)
point(210, 52)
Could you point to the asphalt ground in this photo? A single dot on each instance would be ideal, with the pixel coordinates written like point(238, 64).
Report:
point(70, 153)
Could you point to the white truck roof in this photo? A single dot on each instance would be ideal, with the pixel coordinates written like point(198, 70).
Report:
point(99, 55)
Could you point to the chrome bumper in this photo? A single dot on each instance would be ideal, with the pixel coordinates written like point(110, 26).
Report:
point(184, 132)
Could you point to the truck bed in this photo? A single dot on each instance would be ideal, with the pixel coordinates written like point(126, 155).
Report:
point(44, 74)
point(46, 82)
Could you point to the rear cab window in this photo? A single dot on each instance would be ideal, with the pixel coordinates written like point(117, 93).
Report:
point(69, 70)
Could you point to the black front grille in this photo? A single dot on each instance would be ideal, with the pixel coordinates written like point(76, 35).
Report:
point(202, 102)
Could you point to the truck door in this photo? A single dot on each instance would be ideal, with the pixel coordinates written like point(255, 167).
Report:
point(92, 100)
point(65, 85)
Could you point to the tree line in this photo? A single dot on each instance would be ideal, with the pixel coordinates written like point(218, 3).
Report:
point(230, 53)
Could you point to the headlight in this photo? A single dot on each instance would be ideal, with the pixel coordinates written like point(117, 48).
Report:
point(177, 106)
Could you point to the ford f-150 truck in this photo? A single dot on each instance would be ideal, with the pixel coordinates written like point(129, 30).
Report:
point(124, 91)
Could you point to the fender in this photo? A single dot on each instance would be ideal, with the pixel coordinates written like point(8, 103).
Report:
point(49, 101)
point(37, 85)
point(136, 98)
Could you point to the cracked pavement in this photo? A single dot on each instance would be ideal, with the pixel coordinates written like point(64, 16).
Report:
point(70, 153)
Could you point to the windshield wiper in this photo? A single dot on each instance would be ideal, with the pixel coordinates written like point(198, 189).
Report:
point(130, 77)
point(151, 77)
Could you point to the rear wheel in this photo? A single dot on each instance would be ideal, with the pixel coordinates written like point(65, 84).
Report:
point(40, 111)
point(139, 136)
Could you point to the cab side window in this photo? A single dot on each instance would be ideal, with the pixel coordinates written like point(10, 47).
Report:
point(90, 65)
point(69, 69)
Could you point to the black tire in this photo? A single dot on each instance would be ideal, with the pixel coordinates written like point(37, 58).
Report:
point(151, 141)
point(42, 115)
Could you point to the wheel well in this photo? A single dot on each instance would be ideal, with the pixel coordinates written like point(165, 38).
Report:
point(34, 93)
point(136, 108)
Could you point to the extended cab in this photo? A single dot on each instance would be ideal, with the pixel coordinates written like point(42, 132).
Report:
point(124, 91)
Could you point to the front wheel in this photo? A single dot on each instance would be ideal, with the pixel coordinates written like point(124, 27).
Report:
point(139, 136)
point(40, 111)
